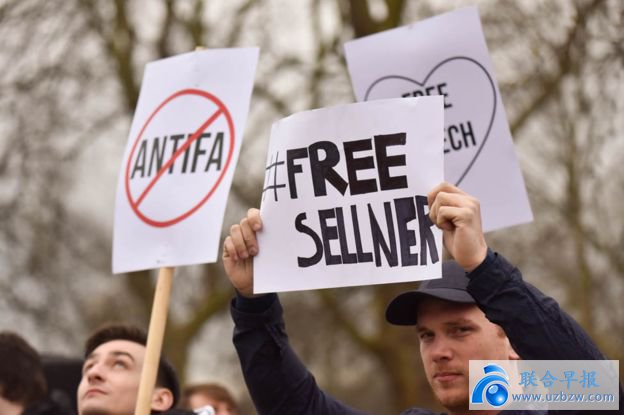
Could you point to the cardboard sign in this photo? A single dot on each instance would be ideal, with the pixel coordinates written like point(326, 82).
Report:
point(344, 201)
point(179, 162)
point(447, 55)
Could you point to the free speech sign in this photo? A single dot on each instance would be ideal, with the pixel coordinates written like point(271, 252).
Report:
point(447, 55)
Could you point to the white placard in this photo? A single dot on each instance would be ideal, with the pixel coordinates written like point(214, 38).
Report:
point(344, 201)
point(180, 158)
point(447, 55)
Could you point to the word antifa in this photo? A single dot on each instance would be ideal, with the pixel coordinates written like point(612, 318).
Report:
point(151, 155)
point(397, 215)
point(322, 169)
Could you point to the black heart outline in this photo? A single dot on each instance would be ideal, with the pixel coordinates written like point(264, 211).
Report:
point(487, 133)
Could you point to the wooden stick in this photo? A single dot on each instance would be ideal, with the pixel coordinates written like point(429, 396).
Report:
point(155, 335)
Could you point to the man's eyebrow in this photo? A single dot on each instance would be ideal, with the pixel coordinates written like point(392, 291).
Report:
point(452, 322)
point(90, 356)
point(458, 321)
point(118, 353)
point(115, 353)
point(420, 329)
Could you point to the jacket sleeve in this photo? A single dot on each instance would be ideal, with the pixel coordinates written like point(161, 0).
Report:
point(536, 326)
point(276, 379)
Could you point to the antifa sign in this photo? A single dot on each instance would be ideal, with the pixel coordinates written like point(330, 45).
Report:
point(204, 154)
point(446, 55)
point(345, 188)
point(180, 157)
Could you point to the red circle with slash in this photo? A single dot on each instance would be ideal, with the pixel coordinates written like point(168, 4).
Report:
point(221, 111)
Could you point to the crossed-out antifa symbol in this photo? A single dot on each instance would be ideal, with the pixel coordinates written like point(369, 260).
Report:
point(492, 385)
point(446, 64)
point(164, 166)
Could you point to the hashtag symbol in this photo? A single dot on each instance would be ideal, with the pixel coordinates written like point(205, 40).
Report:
point(267, 177)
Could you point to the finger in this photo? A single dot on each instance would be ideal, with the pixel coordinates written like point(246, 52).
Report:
point(450, 217)
point(452, 199)
point(434, 192)
point(442, 187)
point(255, 221)
point(229, 252)
point(444, 198)
point(239, 241)
point(249, 235)
point(445, 218)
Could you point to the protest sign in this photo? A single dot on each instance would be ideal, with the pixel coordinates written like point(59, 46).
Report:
point(179, 161)
point(447, 55)
point(344, 201)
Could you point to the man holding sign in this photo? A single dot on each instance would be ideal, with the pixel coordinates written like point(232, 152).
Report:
point(489, 313)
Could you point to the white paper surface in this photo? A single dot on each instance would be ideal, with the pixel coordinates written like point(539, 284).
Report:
point(447, 55)
point(393, 151)
point(180, 158)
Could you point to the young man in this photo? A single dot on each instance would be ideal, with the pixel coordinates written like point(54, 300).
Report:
point(480, 309)
point(112, 371)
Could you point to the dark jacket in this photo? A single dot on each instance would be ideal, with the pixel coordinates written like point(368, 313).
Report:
point(47, 407)
point(280, 384)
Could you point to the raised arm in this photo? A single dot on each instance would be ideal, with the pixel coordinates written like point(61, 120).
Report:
point(277, 380)
point(535, 324)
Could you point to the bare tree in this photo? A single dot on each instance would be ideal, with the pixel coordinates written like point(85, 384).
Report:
point(71, 76)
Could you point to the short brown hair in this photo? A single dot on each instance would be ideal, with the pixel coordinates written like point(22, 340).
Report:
point(215, 391)
point(21, 374)
point(166, 376)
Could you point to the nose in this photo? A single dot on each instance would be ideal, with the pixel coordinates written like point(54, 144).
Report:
point(440, 349)
point(94, 373)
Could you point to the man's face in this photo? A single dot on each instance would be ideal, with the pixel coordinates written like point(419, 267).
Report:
point(110, 379)
point(450, 335)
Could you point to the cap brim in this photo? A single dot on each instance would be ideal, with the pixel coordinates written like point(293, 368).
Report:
point(403, 310)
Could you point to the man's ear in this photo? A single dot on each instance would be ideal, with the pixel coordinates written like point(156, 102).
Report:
point(162, 399)
point(511, 353)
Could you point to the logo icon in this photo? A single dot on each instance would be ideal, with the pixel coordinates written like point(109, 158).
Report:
point(493, 386)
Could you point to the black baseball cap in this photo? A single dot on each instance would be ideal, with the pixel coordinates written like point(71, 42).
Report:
point(452, 286)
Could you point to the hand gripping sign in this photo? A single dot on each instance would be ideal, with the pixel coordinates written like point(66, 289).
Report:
point(447, 55)
point(179, 162)
point(344, 201)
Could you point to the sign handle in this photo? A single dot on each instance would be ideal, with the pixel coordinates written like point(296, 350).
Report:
point(155, 335)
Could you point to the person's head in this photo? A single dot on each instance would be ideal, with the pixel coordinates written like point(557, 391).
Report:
point(112, 371)
point(215, 395)
point(452, 331)
point(22, 381)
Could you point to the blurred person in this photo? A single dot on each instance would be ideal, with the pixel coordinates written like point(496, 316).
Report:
point(481, 309)
point(111, 374)
point(23, 388)
point(200, 395)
